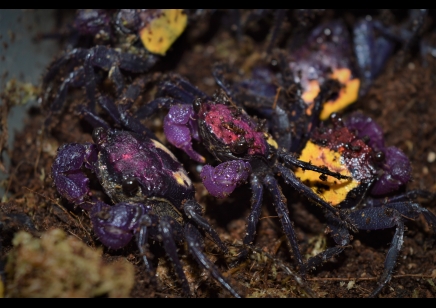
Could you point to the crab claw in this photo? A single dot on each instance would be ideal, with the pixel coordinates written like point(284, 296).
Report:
point(69, 179)
point(397, 172)
point(180, 127)
point(114, 225)
point(224, 178)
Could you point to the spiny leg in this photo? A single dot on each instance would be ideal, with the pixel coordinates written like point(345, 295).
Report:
point(137, 64)
point(292, 180)
point(76, 54)
point(193, 210)
point(340, 235)
point(403, 197)
point(180, 89)
point(405, 204)
point(134, 90)
point(291, 161)
point(93, 119)
point(196, 247)
point(113, 62)
point(167, 233)
point(253, 218)
point(152, 107)
point(74, 79)
point(141, 237)
point(172, 91)
point(282, 211)
point(377, 219)
point(219, 72)
point(391, 259)
point(118, 115)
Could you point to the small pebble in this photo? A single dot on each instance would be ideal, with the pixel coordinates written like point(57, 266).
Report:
point(425, 170)
point(431, 157)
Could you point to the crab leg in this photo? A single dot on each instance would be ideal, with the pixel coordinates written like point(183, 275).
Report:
point(142, 242)
point(382, 218)
point(196, 247)
point(340, 235)
point(291, 161)
point(166, 231)
point(74, 79)
point(282, 211)
point(292, 180)
point(193, 210)
point(253, 218)
point(118, 115)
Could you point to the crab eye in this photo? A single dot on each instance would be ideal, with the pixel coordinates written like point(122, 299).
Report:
point(197, 105)
point(379, 156)
point(240, 147)
point(130, 186)
point(97, 134)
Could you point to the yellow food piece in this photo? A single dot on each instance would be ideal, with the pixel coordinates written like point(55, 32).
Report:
point(332, 190)
point(158, 35)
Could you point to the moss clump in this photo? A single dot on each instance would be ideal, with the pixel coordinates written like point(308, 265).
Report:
point(57, 265)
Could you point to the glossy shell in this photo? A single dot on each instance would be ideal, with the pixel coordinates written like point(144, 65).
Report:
point(125, 155)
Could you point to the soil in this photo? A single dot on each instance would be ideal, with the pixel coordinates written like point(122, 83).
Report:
point(402, 100)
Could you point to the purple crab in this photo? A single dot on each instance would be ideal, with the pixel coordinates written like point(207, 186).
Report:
point(374, 198)
point(125, 40)
point(152, 195)
point(241, 145)
point(344, 169)
point(323, 70)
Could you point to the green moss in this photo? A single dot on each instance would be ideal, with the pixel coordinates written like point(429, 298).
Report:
point(57, 265)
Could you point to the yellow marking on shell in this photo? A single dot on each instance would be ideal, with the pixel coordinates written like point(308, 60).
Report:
point(271, 141)
point(347, 95)
point(2, 289)
point(321, 156)
point(161, 32)
point(159, 145)
point(182, 178)
point(311, 92)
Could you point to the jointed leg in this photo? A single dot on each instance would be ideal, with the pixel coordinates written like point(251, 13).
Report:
point(141, 237)
point(74, 79)
point(283, 213)
point(193, 210)
point(291, 161)
point(340, 235)
point(292, 180)
point(253, 218)
point(118, 115)
point(405, 205)
point(377, 219)
point(196, 247)
point(256, 205)
point(167, 233)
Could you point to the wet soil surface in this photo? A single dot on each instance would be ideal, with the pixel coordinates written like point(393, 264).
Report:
point(402, 100)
